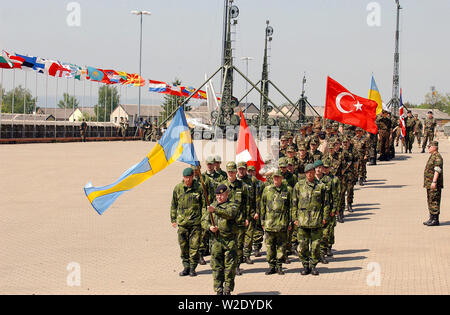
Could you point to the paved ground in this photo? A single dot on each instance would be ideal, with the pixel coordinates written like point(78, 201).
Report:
point(47, 223)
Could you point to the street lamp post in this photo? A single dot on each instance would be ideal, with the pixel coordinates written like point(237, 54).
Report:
point(140, 13)
point(246, 59)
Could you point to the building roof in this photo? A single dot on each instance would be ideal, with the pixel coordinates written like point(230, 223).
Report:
point(27, 117)
point(58, 113)
point(437, 114)
point(146, 110)
point(287, 109)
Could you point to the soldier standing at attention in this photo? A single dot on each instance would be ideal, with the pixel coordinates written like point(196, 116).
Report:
point(337, 166)
point(291, 155)
point(188, 203)
point(348, 173)
point(384, 133)
point(256, 239)
point(276, 221)
point(429, 127)
point(410, 124)
point(83, 129)
point(361, 146)
point(310, 213)
point(283, 146)
point(239, 194)
point(418, 129)
point(434, 182)
point(300, 138)
point(314, 153)
point(218, 161)
point(224, 246)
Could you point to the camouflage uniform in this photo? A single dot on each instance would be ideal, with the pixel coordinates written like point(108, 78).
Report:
point(248, 239)
point(410, 124)
point(384, 130)
point(210, 186)
point(418, 127)
point(310, 207)
point(361, 147)
point(348, 177)
point(224, 245)
point(275, 218)
point(258, 232)
point(188, 204)
point(435, 164)
point(428, 135)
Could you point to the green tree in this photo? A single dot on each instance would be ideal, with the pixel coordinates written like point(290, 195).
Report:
point(171, 102)
point(68, 101)
point(106, 94)
point(18, 95)
point(436, 100)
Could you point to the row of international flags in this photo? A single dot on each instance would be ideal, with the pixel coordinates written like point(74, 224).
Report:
point(107, 76)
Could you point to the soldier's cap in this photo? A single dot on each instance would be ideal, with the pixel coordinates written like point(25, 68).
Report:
point(417, 115)
point(409, 112)
point(430, 112)
point(210, 160)
point(329, 126)
point(302, 148)
point(284, 138)
point(278, 172)
point(345, 140)
point(221, 189)
point(359, 129)
point(251, 168)
point(231, 166)
point(318, 163)
point(218, 158)
point(309, 167)
point(326, 163)
point(242, 165)
point(188, 171)
point(314, 141)
point(282, 162)
point(434, 144)
point(290, 149)
point(336, 141)
point(291, 161)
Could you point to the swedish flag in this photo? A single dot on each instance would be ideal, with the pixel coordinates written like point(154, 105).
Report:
point(175, 144)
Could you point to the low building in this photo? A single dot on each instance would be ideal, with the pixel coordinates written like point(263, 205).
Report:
point(151, 113)
point(80, 113)
point(58, 114)
point(441, 117)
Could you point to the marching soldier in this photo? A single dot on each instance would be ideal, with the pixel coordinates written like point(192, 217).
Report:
point(434, 182)
point(384, 134)
point(303, 159)
point(256, 239)
point(224, 245)
point(348, 175)
point(410, 124)
point(291, 155)
point(188, 203)
point(239, 194)
point(418, 127)
point(429, 127)
point(361, 146)
point(310, 213)
point(283, 146)
point(221, 172)
point(214, 176)
point(337, 166)
point(83, 129)
point(276, 221)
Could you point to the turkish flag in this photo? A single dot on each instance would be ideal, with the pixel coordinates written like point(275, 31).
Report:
point(247, 151)
point(348, 108)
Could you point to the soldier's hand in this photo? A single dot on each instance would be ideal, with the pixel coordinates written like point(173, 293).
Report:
point(296, 223)
point(289, 227)
point(256, 217)
point(433, 186)
point(174, 225)
point(213, 229)
point(324, 222)
point(246, 223)
point(211, 209)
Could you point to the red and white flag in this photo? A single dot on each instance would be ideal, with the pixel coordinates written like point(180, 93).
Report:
point(247, 151)
point(402, 116)
point(348, 108)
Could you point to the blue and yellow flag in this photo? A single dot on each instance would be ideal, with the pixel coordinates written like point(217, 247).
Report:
point(175, 144)
point(374, 95)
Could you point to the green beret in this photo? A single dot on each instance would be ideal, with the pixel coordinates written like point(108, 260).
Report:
point(218, 158)
point(221, 189)
point(318, 163)
point(251, 168)
point(242, 165)
point(231, 166)
point(210, 160)
point(282, 162)
point(278, 172)
point(309, 167)
point(188, 171)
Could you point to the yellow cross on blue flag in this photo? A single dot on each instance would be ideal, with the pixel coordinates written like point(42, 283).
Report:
point(175, 144)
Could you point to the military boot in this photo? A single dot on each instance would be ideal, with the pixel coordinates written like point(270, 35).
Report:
point(185, 272)
point(429, 220)
point(248, 261)
point(257, 252)
point(238, 271)
point(323, 260)
point(295, 252)
point(349, 208)
point(423, 150)
point(314, 271)
point(192, 273)
point(434, 220)
point(220, 291)
point(306, 270)
point(280, 270)
point(329, 252)
point(361, 182)
point(226, 291)
point(202, 261)
point(271, 271)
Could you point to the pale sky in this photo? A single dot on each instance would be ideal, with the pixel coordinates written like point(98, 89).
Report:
point(184, 38)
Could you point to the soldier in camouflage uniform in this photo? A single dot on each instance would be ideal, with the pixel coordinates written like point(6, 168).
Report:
point(221, 172)
point(258, 233)
point(224, 245)
point(276, 221)
point(434, 183)
point(303, 159)
point(239, 193)
point(334, 188)
point(211, 172)
point(283, 146)
point(418, 127)
point(311, 213)
point(349, 174)
point(291, 154)
point(395, 133)
point(248, 238)
point(188, 205)
point(384, 133)
point(337, 166)
point(361, 147)
point(300, 138)
point(410, 124)
point(313, 152)
point(429, 127)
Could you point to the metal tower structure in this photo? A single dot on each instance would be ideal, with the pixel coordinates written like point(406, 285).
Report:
point(394, 103)
point(264, 109)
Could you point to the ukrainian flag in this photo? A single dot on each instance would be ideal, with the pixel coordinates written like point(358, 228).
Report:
point(175, 144)
point(374, 95)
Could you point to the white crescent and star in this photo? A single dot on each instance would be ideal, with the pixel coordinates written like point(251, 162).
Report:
point(358, 105)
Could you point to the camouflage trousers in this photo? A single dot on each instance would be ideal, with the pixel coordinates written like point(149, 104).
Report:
point(223, 263)
point(240, 243)
point(258, 236)
point(428, 136)
point(347, 185)
point(327, 240)
point(384, 142)
point(276, 248)
point(418, 136)
point(249, 236)
point(83, 135)
point(434, 200)
point(409, 140)
point(292, 241)
point(189, 240)
point(309, 246)
point(204, 248)
point(361, 172)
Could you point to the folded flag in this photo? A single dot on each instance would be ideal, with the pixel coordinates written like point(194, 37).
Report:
point(349, 108)
point(402, 116)
point(175, 144)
